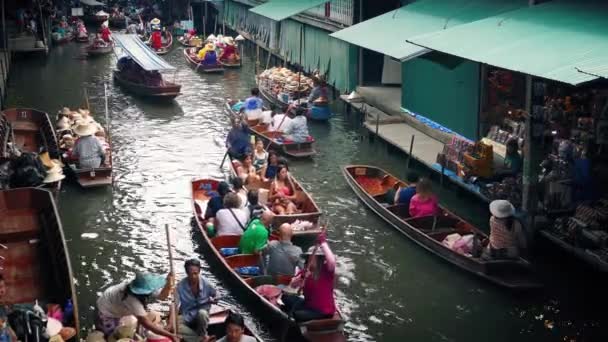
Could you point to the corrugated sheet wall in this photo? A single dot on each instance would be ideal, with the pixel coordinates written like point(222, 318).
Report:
point(340, 11)
point(260, 28)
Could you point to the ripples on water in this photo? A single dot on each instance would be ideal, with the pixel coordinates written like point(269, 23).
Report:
point(389, 288)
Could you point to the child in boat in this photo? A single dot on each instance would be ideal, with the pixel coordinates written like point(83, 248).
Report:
point(260, 156)
point(424, 202)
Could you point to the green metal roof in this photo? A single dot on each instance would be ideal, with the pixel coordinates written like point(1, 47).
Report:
point(387, 33)
point(562, 40)
point(282, 9)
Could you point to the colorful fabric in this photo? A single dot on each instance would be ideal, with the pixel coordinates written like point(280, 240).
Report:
point(254, 238)
point(229, 53)
point(156, 40)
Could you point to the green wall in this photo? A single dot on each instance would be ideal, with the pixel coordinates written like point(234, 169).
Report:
point(444, 89)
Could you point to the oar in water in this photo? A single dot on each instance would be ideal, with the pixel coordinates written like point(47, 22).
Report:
point(173, 310)
point(224, 160)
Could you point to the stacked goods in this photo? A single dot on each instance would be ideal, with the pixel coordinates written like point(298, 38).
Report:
point(509, 189)
point(283, 83)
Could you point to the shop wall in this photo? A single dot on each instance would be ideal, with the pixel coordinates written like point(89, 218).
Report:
point(238, 16)
point(444, 89)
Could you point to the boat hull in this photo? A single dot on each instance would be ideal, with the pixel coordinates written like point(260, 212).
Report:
point(168, 92)
point(200, 67)
point(516, 275)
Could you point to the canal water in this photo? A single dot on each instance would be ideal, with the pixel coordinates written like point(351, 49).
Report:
point(388, 288)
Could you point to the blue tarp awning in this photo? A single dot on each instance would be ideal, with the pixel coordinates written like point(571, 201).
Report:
point(141, 53)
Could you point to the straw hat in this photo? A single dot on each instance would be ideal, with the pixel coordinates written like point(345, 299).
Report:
point(229, 40)
point(76, 117)
point(502, 209)
point(95, 336)
point(84, 129)
point(84, 112)
point(155, 21)
point(65, 111)
point(211, 38)
point(128, 321)
point(52, 177)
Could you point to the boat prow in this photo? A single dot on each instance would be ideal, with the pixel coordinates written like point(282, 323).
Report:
point(371, 184)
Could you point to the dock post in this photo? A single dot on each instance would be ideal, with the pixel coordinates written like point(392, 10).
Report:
point(409, 156)
point(442, 173)
point(377, 123)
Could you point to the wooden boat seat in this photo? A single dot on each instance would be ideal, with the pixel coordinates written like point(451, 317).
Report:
point(242, 260)
point(28, 126)
point(21, 272)
point(427, 222)
point(268, 280)
point(19, 225)
point(226, 241)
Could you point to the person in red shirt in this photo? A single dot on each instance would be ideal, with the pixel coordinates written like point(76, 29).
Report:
point(318, 286)
point(229, 51)
point(105, 33)
point(156, 40)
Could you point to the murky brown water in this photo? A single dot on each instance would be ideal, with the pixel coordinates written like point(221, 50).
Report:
point(389, 288)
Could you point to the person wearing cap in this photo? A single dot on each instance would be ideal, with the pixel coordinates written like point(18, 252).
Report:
point(255, 237)
point(195, 296)
point(297, 130)
point(235, 329)
point(319, 91)
point(317, 283)
point(282, 255)
point(254, 105)
point(132, 298)
point(506, 233)
point(87, 149)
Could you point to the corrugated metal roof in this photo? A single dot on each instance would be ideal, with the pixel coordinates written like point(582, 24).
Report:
point(282, 9)
point(562, 40)
point(141, 53)
point(387, 33)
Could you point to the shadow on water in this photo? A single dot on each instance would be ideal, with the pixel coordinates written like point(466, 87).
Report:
point(389, 288)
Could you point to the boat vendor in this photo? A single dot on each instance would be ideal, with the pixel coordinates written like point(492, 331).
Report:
point(131, 298)
point(87, 150)
point(317, 282)
point(506, 233)
point(207, 55)
point(297, 130)
point(254, 105)
point(237, 141)
point(255, 237)
point(283, 255)
point(229, 53)
point(195, 296)
point(513, 162)
point(106, 35)
point(319, 93)
point(156, 40)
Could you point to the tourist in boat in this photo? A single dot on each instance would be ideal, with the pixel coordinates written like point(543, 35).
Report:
point(217, 200)
point(195, 296)
point(297, 130)
point(87, 150)
point(229, 52)
point(254, 105)
point(319, 93)
point(253, 204)
point(282, 255)
point(404, 194)
point(237, 141)
point(506, 233)
point(279, 122)
point(132, 298)
point(424, 202)
point(106, 35)
point(235, 329)
point(255, 237)
point(231, 220)
point(317, 282)
point(269, 170)
point(239, 189)
point(260, 156)
point(282, 193)
point(246, 170)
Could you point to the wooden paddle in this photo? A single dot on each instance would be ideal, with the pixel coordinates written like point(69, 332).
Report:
point(173, 310)
point(224, 160)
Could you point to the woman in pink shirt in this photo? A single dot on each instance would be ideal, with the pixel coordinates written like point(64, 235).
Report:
point(318, 286)
point(424, 203)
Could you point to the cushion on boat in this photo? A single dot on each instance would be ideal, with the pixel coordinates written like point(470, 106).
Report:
point(228, 251)
point(248, 270)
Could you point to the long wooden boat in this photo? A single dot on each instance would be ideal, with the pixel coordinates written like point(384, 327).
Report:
point(189, 55)
point(309, 210)
point(274, 139)
point(93, 51)
point(32, 131)
point(594, 261)
point(169, 91)
point(36, 264)
point(371, 184)
point(318, 330)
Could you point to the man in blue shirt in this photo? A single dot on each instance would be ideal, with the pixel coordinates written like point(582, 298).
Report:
point(253, 105)
point(405, 194)
point(238, 142)
point(195, 298)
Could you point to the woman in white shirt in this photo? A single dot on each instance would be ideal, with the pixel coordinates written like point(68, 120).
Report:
point(231, 220)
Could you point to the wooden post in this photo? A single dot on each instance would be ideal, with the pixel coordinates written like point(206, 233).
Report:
point(257, 59)
point(215, 25)
point(300, 62)
point(409, 157)
point(377, 123)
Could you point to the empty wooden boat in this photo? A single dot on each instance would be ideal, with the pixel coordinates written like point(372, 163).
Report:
point(371, 185)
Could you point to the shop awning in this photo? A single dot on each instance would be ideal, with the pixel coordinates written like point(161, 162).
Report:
point(561, 40)
point(282, 9)
point(141, 53)
point(92, 3)
point(387, 33)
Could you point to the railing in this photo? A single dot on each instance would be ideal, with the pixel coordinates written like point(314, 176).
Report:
point(338, 11)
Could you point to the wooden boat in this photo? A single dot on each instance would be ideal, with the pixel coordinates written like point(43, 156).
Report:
point(291, 149)
point(371, 184)
point(32, 131)
point(97, 177)
point(588, 256)
point(233, 65)
point(93, 51)
point(318, 330)
point(190, 56)
point(35, 262)
point(82, 39)
point(169, 91)
point(310, 211)
point(167, 44)
point(183, 42)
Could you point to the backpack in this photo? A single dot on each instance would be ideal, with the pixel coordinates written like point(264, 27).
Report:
point(27, 326)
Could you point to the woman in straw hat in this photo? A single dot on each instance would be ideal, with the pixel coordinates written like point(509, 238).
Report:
point(207, 54)
point(132, 298)
point(229, 52)
point(53, 175)
point(506, 233)
point(88, 150)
